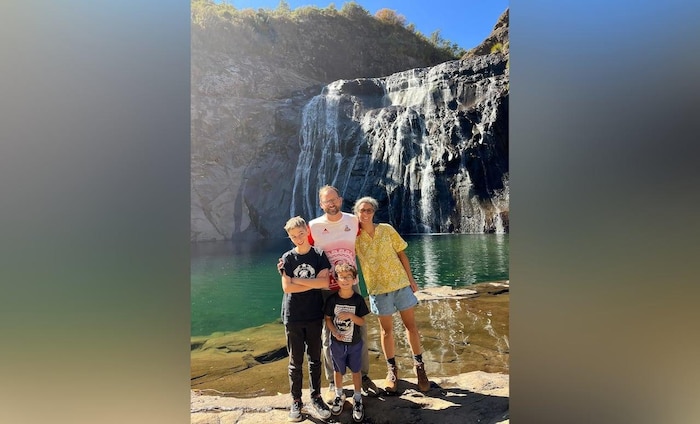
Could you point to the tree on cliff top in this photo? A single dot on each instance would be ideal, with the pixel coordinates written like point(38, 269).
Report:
point(388, 28)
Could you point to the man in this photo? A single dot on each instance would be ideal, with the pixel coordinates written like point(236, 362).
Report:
point(335, 233)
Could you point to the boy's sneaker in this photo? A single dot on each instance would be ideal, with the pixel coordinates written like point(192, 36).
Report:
point(295, 411)
point(358, 411)
point(320, 407)
point(423, 383)
point(337, 406)
point(391, 378)
point(368, 387)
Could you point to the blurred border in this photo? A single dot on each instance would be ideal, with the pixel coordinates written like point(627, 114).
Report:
point(603, 201)
point(94, 178)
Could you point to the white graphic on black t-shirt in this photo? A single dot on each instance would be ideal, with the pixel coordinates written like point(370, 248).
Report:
point(304, 271)
point(345, 327)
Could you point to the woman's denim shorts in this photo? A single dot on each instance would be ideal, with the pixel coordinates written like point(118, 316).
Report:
point(388, 303)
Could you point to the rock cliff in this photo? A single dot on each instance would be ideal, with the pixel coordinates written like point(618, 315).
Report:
point(282, 108)
point(497, 40)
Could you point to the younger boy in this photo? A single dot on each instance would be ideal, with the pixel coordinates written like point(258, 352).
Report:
point(304, 271)
point(345, 311)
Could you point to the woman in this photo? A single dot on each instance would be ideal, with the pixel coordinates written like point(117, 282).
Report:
point(390, 285)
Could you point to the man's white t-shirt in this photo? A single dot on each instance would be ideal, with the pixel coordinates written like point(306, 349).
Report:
point(336, 238)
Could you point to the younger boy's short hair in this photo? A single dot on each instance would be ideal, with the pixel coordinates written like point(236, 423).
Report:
point(296, 222)
point(345, 267)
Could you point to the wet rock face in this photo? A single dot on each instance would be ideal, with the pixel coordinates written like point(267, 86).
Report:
point(429, 144)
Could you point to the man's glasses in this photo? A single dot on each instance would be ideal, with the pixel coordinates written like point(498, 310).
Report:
point(330, 201)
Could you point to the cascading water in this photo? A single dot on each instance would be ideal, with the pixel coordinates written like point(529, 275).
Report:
point(325, 157)
point(411, 140)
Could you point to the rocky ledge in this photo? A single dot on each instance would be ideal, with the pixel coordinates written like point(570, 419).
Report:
point(241, 377)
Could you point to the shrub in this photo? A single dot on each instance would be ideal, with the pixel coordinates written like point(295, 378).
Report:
point(353, 10)
point(391, 17)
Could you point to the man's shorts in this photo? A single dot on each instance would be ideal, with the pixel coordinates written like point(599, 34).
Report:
point(345, 355)
point(388, 303)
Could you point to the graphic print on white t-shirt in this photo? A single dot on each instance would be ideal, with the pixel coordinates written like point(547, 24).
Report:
point(345, 326)
point(338, 256)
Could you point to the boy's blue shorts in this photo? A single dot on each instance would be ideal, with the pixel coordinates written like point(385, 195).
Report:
point(345, 355)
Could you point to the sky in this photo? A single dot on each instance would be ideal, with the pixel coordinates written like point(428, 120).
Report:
point(465, 22)
point(603, 93)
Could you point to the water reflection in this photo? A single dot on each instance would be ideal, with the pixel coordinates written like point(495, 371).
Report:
point(235, 285)
point(430, 257)
point(457, 259)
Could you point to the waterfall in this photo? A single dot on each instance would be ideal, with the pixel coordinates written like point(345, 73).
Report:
point(498, 222)
point(427, 191)
point(408, 88)
point(411, 140)
point(323, 158)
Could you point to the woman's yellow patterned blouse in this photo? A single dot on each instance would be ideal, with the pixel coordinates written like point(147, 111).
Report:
point(381, 267)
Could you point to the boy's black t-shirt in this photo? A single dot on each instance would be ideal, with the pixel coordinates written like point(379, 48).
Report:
point(308, 305)
point(356, 305)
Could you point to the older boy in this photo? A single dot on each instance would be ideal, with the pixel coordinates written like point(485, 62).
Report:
point(304, 273)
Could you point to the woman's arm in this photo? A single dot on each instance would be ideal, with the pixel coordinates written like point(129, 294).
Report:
point(407, 267)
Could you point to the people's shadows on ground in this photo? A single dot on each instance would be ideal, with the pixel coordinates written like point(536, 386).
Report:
point(450, 406)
